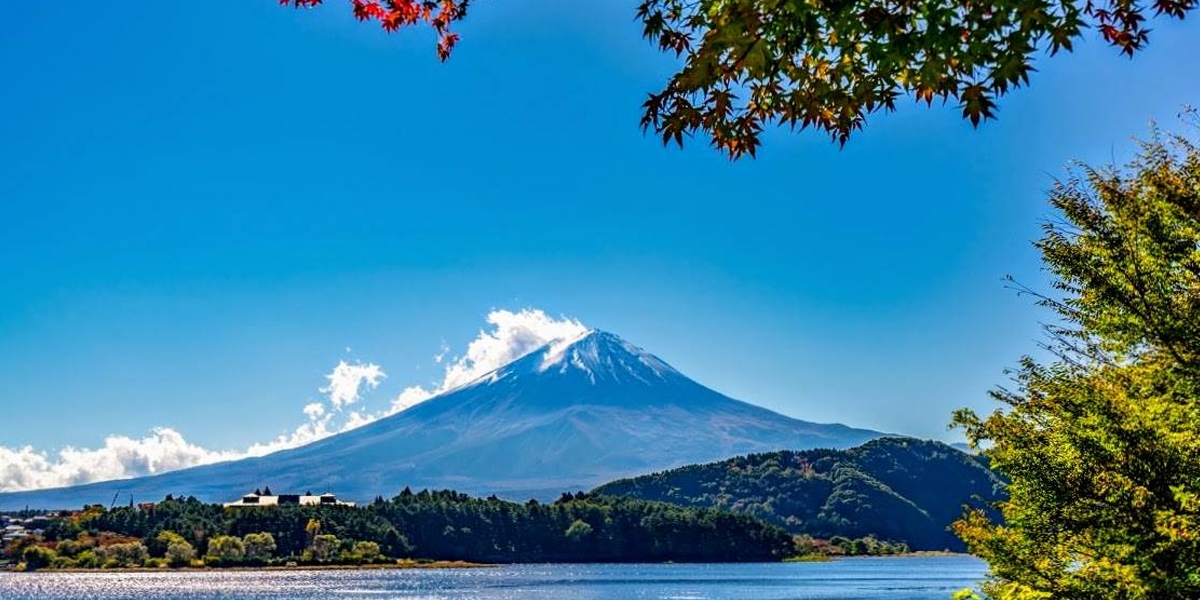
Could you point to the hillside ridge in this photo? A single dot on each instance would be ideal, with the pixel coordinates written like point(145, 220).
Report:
point(894, 488)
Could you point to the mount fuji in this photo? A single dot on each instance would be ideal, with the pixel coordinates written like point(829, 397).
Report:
point(570, 415)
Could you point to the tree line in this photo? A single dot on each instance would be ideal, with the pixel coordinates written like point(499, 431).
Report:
point(437, 525)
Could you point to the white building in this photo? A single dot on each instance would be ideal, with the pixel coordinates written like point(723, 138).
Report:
point(13, 532)
point(256, 499)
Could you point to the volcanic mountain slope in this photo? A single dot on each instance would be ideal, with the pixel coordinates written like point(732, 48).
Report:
point(897, 489)
point(568, 416)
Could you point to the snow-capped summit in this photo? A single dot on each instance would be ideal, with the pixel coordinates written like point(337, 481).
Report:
point(569, 415)
point(602, 356)
point(598, 356)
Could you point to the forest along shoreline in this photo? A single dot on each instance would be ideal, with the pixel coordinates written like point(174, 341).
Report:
point(445, 529)
point(437, 528)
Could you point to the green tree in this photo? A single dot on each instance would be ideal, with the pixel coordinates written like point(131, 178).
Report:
point(579, 531)
point(366, 551)
point(325, 547)
point(226, 549)
point(125, 554)
point(751, 63)
point(157, 546)
point(89, 559)
point(311, 530)
point(37, 557)
point(61, 529)
point(1102, 446)
point(259, 546)
point(180, 554)
point(69, 547)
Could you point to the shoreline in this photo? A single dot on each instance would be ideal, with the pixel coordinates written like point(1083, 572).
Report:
point(917, 554)
point(408, 564)
point(811, 558)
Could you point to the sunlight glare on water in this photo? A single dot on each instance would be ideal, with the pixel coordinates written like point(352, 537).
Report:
point(923, 578)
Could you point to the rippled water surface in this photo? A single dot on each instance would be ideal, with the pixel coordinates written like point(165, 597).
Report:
point(855, 579)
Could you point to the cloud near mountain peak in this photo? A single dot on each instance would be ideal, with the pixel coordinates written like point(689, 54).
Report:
point(513, 335)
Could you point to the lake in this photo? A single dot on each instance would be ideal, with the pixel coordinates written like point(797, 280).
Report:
point(907, 578)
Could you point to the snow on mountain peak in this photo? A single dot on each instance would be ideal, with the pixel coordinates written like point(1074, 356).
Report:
point(596, 356)
point(600, 355)
point(555, 351)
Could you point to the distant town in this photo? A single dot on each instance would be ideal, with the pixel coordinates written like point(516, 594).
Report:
point(15, 528)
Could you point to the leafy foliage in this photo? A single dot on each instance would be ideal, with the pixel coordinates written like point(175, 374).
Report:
point(37, 557)
point(180, 554)
point(323, 548)
point(366, 551)
point(225, 550)
point(577, 528)
point(896, 489)
point(394, 14)
point(829, 63)
point(124, 554)
point(1103, 446)
point(259, 546)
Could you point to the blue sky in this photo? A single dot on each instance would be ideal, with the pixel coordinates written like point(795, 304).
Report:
point(208, 206)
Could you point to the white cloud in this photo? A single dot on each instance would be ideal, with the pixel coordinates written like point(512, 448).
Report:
point(316, 428)
point(314, 410)
point(162, 450)
point(165, 449)
point(515, 334)
point(410, 397)
point(512, 335)
point(357, 419)
point(346, 380)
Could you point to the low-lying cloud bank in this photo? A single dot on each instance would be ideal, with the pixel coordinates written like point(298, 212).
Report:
point(511, 336)
point(165, 449)
point(162, 450)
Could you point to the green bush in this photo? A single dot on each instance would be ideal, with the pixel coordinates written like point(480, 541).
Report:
point(38, 557)
point(180, 554)
point(325, 548)
point(62, 562)
point(69, 548)
point(367, 552)
point(156, 563)
point(225, 550)
point(128, 554)
point(259, 547)
point(158, 544)
point(88, 559)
